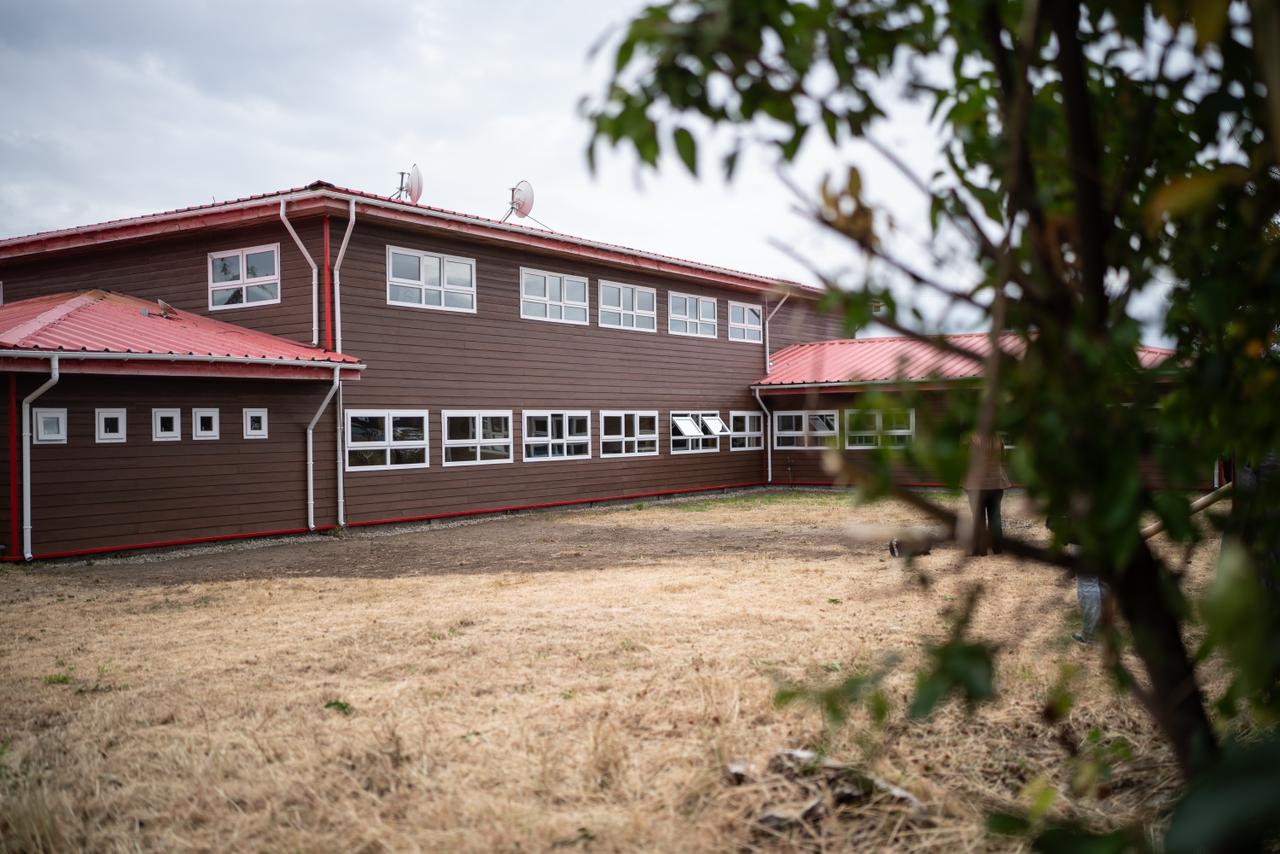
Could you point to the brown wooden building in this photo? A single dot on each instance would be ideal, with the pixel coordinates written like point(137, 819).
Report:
point(322, 357)
point(407, 363)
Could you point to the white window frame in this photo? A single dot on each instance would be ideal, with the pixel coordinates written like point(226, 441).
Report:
point(811, 439)
point(709, 431)
point(444, 288)
point(476, 415)
point(563, 302)
point(634, 312)
point(99, 418)
point(696, 317)
point(245, 283)
point(880, 433)
point(387, 443)
point(758, 435)
point(158, 435)
point(39, 436)
point(850, 433)
point(633, 417)
point(199, 412)
point(250, 433)
point(551, 414)
point(745, 328)
point(909, 433)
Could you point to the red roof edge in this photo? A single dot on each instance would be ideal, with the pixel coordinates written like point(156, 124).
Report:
point(323, 196)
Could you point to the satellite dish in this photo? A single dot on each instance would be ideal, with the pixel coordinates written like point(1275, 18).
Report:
point(415, 185)
point(522, 199)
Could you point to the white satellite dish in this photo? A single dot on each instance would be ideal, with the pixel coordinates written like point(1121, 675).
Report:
point(522, 204)
point(522, 199)
point(415, 184)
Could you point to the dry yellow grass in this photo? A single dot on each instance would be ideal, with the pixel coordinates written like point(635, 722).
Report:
point(569, 680)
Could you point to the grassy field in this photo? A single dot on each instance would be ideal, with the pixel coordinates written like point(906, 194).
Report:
point(566, 680)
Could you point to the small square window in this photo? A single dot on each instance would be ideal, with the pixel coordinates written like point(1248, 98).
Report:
point(166, 425)
point(204, 424)
point(50, 426)
point(255, 423)
point(111, 425)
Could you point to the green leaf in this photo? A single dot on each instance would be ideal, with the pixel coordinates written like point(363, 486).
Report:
point(1008, 824)
point(687, 148)
point(1234, 805)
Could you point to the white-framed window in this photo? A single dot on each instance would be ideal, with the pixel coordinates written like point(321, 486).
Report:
point(804, 429)
point(557, 435)
point(109, 425)
point(628, 307)
point(204, 424)
point(746, 431)
point(419, 279)
point(166, 425)
point(476, 437)
point(689, 315)
point(381, 439)
point(696, 432)
point(746, 322)
point(242, 277)
point(628, 434)
point(50, 426)
point(557, 297)
point(875, 428)
point(255, 423)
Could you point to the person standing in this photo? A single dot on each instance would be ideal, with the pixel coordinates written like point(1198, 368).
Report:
point(985, 486)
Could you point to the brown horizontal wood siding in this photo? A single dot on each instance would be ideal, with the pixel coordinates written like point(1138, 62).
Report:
point(176, 270)
point(801, 320)
point(88, 495)
point(493, 359)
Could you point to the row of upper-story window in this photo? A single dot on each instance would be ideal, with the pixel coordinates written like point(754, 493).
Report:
point(428, 280)
point(381, 439)
point(50, 426)
point(863, 429)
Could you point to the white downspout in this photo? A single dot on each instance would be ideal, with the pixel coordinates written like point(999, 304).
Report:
point(311, 474)
point(315, 278)
point(337, 328)
point(768, 435)
point(768, 356)
point(337, 277)
point(54, 375)
point(342, 461)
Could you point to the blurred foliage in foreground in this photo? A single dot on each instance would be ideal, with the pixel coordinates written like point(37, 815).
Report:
point(1090, 151)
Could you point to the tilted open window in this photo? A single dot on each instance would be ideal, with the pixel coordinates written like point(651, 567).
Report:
point(696, 432)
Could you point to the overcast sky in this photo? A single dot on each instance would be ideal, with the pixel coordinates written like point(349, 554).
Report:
point(124, 108)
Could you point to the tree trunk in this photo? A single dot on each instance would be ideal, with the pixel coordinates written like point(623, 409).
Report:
point(1176, 701)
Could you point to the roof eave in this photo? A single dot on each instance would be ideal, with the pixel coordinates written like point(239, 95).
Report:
point(336, 201)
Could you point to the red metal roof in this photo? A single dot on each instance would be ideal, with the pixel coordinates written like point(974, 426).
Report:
point(896, 359)
point(264, 204)
point(105, 323)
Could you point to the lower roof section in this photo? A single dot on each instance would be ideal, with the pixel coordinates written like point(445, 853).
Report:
point(100, 332)
point(839, 364)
